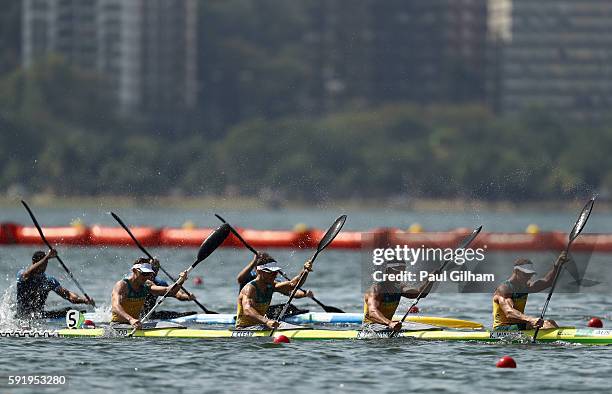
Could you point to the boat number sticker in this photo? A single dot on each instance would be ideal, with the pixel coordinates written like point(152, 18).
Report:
point(74, 319)
point(586, 332)
point(243, 333)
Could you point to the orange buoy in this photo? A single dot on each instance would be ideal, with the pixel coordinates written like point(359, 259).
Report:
point(197, 281)
point(414, 309)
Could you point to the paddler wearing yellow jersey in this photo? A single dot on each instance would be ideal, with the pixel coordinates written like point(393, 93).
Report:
point(510, 297)
point(129, 294)
point(382, 299)
point(255, 297)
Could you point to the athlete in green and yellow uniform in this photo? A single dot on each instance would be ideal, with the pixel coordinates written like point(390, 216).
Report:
point(510, 297)
point(129, 294)
point(255, 297)
point(382, 299)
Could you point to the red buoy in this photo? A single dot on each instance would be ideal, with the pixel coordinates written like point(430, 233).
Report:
point(506, 362)
point(414, 309)
point(89, 324)
point(595, 323)
point(197, 281)
point(281, 339)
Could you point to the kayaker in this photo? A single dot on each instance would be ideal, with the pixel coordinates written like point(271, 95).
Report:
point(382, 299)
point(255, 297)
point(34, 286)
point(510, 297)
point(152, 298)
point(249, 273)
point(129, 294)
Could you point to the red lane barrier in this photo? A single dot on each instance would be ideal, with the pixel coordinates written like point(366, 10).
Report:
point(344, 240)
point(117, 236)
point(7, 233)
point(11, 233)
point(270, 238)
point(77, 235)
point(586, 242)
point(518, 241)
point(428, 240)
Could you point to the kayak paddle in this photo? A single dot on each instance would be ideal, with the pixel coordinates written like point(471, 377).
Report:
point(329, 236)
point(326, 308)
point(214, 240)
point(576, 230)
point(42, 236)
point(126, 228)
point(464, 244)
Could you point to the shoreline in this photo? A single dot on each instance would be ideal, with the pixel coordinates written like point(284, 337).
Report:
point(249, 203)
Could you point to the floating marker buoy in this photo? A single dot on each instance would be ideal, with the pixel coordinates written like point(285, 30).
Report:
point(506, 362)
point(595, 323)
point(415, 228)
point(89, 324)
point(414, 309)
point(281, 339)
point(197, 281)
point(188, 225)
point(532, 229)
point(300, 228)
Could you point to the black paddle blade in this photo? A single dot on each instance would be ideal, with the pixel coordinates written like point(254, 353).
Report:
point(332, 309)
point(220, 218)
point(213, 241)
point(331, 233)
point(582, 219)
point(468, 240)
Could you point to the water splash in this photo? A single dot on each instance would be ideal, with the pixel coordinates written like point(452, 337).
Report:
point(7, 308)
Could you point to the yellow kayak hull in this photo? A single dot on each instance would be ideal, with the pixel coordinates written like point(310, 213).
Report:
point(570, 334)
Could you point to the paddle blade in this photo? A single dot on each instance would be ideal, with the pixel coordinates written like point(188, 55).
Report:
point(582, 219)
point(331, 233)
point(332, 309)
point(468, 240)
point(213, 241)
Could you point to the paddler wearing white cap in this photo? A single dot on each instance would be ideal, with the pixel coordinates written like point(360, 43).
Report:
point(382, 298)
point(255, 297)
point(129, 294)
point(510, 297)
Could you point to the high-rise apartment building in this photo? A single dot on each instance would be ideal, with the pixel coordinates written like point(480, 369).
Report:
point(555, 55)
point(399, 50)
point(146, 49)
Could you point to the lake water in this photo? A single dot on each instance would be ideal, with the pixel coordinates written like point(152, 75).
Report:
point(188, 366)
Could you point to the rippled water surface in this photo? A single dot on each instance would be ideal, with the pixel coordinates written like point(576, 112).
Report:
point(248, 365)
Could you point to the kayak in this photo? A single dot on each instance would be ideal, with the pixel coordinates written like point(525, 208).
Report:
point(309, 318)
point(588, 336)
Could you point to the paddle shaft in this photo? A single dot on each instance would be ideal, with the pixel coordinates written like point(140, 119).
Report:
point(464, 244)
point(159, 301)
point(42, 236)
point(329, 236)
point(252, 249)
point(292, 295)
point(126, 228)
point(576, 230)
point(550, 293)
point(210, 244)
point(420, 295)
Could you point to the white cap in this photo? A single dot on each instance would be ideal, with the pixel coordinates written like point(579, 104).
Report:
point(269, 267)
point(146, 267)
point(526, 268)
